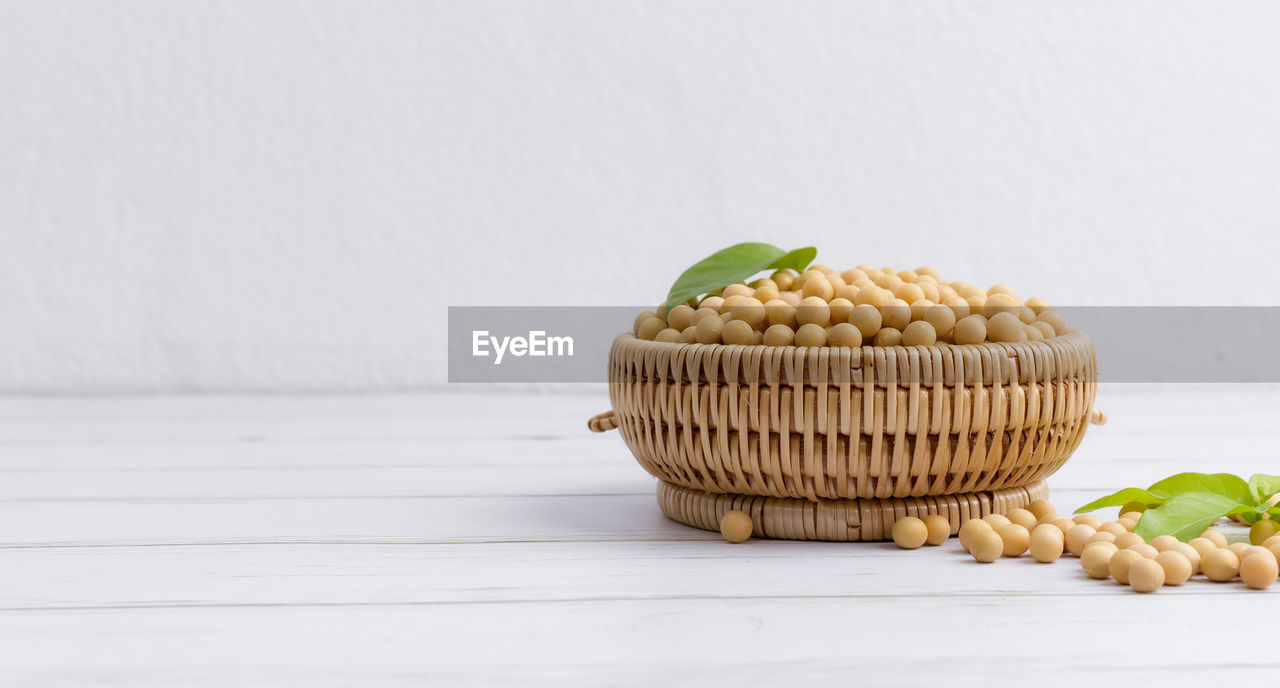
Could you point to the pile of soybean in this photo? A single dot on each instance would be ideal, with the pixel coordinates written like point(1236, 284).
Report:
point(863, 305)
point(1109, 550)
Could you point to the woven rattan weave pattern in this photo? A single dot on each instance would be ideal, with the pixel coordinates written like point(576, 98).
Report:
point(841, 520)
point(871, 423)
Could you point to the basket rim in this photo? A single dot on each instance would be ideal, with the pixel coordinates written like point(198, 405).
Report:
point(1046, 344)
point(1065, 357)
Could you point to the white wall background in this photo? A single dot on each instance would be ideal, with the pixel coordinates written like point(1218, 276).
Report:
point(276, 195)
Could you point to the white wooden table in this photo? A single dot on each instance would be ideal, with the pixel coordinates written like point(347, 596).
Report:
point(484, 536)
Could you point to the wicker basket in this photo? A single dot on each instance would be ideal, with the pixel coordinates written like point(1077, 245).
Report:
point(837, 443)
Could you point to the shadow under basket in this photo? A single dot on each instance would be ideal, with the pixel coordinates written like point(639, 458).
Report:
point(831, 443)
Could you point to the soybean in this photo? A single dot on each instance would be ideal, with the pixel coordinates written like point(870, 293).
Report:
point(1046, 543)
point(735, 526)
point(910, 532)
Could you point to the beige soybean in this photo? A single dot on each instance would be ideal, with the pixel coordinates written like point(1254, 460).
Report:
point(1048, 518)
point(779, 335)
point(1016, 539)
point(1001, 303)
point(818, 287)
point(997, 521)
point(910, 532)
point(779, 312)
point(970, 528)
point(1239, 549)
point(1096, 560)
point(867, 319)
point(1189, 552)
point(811, 334)
point(766, 293)
point(1164, 542)
point(1177, 567)
point(1128, 523)
point(1064, 524)
point(640, 320)
point(970, 330)
point(728, 303)
point(1220, 565)
point(872, 296)
point(1046, 543)
point(784, 278)
point(680, 317)
point(1259, 570)
point(939, 529)
point(736, 290)
point(896, 314)
point(848, 292)
point(813, 311)
point(888, 336)
point(1120, 564)
point(919, 333)
point(841, 309)
point(1101, 536)
point(1055, 319)
point(1089, 519)
point(1214, 535)
point(1112, 527)
point(1146, 575)
point(1022, 517)
point(667, 335)
point(960, 308)
point(689, 335)
point(1041, 508)
point(735, 526)
point(986, 546)
point(650, 328)
point(1126, 540)
point(737, 332)
point(708, 330)
point(909, 293)
point(1147, 551)
point(1005, 328)
point(844, 334)
point(701, 313)
point(1045, 329)
point(749, 310)
point(1203, 545)
point(1078, 537)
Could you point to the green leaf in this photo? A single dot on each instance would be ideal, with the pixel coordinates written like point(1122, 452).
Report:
point(797, 260)
point(1263, 486)
point(1128, 494)
point(734, 264)
point(1223, 484)
point(1186, 515)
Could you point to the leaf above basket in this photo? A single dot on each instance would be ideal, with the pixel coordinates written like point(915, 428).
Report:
point(734, 264)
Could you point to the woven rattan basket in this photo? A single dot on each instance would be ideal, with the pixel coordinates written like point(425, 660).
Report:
point(836, 443)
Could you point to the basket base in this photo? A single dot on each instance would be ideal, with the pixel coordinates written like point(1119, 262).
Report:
point(838, 520)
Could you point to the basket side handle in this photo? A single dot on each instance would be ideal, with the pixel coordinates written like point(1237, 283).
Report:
point(602, 422)
point(1097, 417)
